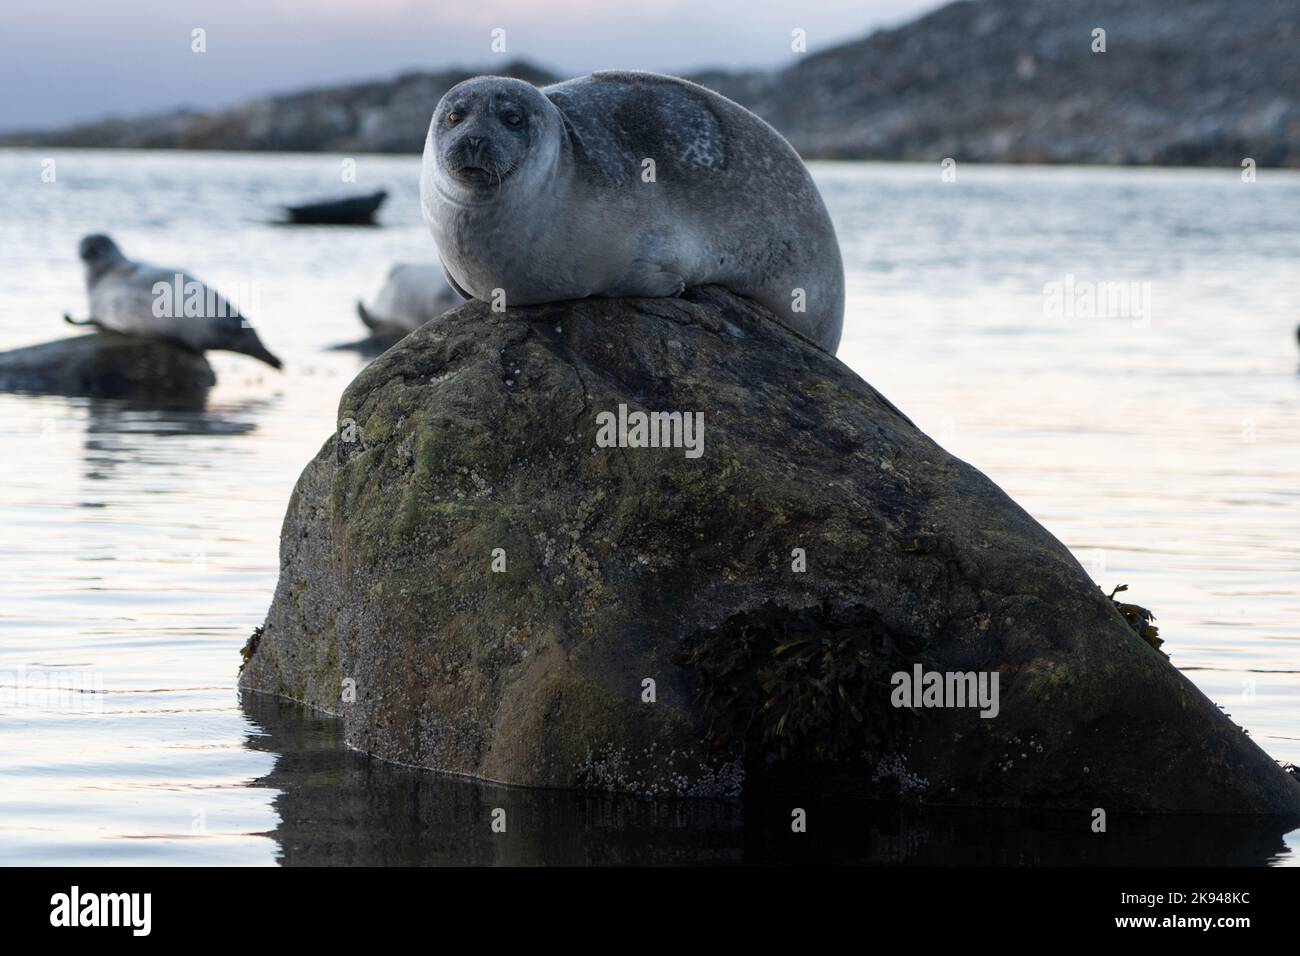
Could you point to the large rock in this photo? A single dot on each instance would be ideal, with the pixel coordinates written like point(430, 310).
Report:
point(477, 433)
point(108, 365)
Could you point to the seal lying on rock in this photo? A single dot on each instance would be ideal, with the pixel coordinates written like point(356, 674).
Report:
point(135, 298)
point(414, 293)
point(626, 184)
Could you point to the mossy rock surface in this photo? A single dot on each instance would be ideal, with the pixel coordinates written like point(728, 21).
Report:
point(108, 365)
point(477, 432)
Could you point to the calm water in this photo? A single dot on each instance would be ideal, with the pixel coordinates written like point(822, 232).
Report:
point(139, 547)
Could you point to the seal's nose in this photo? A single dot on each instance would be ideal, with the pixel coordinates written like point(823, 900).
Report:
point(476, 150)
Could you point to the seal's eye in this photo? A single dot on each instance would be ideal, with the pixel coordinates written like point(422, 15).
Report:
point(453, 118)
point(512, 119)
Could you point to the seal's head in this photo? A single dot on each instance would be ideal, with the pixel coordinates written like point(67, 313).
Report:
point(489, 131)
point(99, 254)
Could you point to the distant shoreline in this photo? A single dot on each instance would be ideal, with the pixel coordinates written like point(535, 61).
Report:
point(999, 81)
point(964, 164)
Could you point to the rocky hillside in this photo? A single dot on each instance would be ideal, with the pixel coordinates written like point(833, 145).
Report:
point(379, 117)
point(1188, 83)
point(1197, 82)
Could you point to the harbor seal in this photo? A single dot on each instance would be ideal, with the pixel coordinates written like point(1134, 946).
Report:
point(414, 293)
point(135, 298)
point(626, 184)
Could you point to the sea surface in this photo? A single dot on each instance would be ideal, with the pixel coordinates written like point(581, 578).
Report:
point(1116, 348)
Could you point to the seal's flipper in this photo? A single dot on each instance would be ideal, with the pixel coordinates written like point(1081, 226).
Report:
point(452, 282)
point(262, 353)
point(246, 342)
point(650, 280)
point(366, 319)
point(91, 322)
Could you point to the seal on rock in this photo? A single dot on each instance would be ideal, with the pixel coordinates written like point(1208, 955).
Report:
point(135, 298)
point(414, 293)
point(626, 184)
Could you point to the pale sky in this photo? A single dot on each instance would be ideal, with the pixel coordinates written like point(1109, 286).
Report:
point(63, 61)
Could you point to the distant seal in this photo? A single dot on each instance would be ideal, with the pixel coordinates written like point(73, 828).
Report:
point(626, 184)
point(414, 293)
point(135, 298)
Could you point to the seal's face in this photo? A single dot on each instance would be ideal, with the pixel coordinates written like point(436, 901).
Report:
point(99, 254)
point(484, 128)
point(97, 248)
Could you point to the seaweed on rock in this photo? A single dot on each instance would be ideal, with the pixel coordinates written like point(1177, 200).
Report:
point(1138, 618)
point(810, 682)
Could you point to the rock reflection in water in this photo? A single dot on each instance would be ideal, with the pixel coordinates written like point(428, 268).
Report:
point(339, 807)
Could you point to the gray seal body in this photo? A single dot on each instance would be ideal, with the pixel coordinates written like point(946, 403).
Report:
point(135, 298)
point(413, 293)
point(626, 184)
